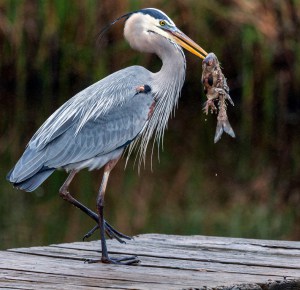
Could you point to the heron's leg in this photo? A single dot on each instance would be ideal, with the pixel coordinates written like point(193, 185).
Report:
point(65, 194)
point(100, 206)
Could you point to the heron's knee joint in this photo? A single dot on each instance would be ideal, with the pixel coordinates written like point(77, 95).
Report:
point(64, 193)
point(100, 202)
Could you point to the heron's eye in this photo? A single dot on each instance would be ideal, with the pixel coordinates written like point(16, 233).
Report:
point(162, 23)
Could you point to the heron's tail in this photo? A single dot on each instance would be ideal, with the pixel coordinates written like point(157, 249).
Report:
point(33, 182)
point(223, 125)
point(30, 171)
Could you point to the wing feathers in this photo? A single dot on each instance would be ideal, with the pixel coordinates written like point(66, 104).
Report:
point(100, 119)
point(92, 103)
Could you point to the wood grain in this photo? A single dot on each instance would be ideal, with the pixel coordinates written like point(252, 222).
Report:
point(167, 262)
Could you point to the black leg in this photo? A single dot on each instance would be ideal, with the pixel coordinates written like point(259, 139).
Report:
point(110, 231)
point(100, 207)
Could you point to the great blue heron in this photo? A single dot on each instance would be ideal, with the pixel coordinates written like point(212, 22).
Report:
point(93, 128)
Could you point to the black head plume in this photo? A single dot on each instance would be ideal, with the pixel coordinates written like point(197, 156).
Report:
point(102, 32)
point(155, 13)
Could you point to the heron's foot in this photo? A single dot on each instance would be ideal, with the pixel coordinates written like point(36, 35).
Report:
point(130, 260)
point(111, 233)
point(115, 234)
point(143, 89)
point(90, 232)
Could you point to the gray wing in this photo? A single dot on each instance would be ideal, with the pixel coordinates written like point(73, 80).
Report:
point(97, 120)
point(114, 130)
point(91, 103)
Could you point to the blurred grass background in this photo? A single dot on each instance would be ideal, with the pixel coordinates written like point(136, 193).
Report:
point(244, 187)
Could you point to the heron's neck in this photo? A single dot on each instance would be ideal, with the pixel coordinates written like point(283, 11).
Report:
point(171, 76)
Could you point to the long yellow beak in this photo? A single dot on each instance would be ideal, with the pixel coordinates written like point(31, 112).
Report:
point(187, 43)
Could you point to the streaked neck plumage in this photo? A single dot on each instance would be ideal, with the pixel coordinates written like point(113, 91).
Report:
point(165, 84)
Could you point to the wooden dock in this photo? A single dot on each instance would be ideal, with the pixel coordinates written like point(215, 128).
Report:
point(167, 262)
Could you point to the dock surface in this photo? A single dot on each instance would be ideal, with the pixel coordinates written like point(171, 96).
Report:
point(167, 262)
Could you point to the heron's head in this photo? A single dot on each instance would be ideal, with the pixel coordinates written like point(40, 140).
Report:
point(148, 28)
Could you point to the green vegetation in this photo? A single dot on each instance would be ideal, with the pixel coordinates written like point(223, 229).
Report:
point(245, 187)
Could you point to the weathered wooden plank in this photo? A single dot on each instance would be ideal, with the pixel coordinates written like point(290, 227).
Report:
point(27, 280)
point(168, 262)
point(212, 240)
point(172, 263)
point(254, 246)
point(239, 257)
point(122, 276)
point(272, 247)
